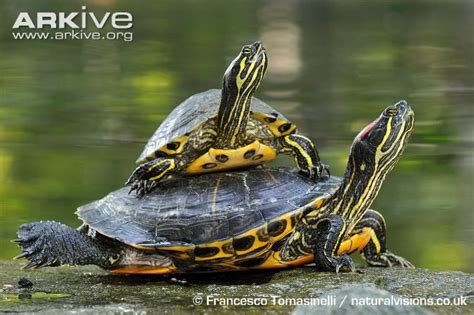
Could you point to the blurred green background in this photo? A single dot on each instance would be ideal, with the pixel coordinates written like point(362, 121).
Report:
point(75, 114)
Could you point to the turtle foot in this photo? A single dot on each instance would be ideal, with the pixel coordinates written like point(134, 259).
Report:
point(145, 176)
point(341, 263)
point(321, 171)
point(49, 243)
point(388, 259)
point(142, 187)
point(34, 241)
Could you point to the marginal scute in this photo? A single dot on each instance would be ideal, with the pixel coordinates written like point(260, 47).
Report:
point(270, 119)
point(252, 262)
point(206, 251)
point(255, 251)
point(173, 145)
point(275, 228)
point(293, 220)
point(181, 255)
point(285, 127)
point(275, 120)
point(243, 243)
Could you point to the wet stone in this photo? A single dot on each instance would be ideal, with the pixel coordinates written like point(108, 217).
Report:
point(89, 290)
point(24, 283)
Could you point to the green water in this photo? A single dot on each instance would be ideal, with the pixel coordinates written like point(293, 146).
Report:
point(74, 115)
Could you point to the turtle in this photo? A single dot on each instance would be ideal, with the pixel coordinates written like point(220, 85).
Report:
point(224, 129)
point(259, 218)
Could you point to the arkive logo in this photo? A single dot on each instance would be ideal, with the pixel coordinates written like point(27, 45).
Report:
point(83, 25)
point(74, 20)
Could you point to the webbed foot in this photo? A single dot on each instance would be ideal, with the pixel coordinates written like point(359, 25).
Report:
point(49, 243)
point(145, 176)
point(33, 238)
point(387, 259)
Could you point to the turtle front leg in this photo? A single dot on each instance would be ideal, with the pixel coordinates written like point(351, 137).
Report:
point(326, 234)
point(305, 154)
point(145, 177)
point(372, 227)
point(49, 243)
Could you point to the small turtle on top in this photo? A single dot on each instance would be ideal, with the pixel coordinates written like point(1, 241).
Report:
point(224, 129)
point(254, 219)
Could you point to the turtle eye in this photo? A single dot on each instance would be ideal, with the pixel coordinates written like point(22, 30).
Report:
point(390, 111)
point(246, 51)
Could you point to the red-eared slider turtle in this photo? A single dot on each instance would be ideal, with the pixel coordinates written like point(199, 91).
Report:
point(224, 129)
point(258, 218)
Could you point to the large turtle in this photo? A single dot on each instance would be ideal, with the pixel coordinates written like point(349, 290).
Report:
point(224, 129)
point(258, 218)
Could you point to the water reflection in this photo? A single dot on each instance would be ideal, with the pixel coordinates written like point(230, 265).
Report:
point(281, 36)
point(74, 115)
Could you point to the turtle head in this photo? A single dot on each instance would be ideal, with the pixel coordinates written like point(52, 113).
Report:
point(246, 71)
point(241, 79)
point(374, 152)
point(382, 141)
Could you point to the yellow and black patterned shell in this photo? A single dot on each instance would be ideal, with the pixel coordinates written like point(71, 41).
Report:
point(202, 209)
point(190, 114)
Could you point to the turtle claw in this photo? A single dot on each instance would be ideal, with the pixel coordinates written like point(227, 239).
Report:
point(404, 263)
point(338, 264)
point(322, 170)
point(36, 241)
point(145, 177)
point(22, 255)
point(49, 243)
point(139, 174)
point(325, 170)
point(31, 241)
point(319, 171)
point(393, 260)
point(142, 187)
point(344, 263)
point(31, 265)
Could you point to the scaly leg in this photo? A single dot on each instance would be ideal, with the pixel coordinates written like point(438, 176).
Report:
point(375, 252)
point(305, 155)
point(327, 233)
point(49, 243)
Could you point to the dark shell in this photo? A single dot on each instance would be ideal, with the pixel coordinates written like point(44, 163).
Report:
point(203, 209)
point(191, 113)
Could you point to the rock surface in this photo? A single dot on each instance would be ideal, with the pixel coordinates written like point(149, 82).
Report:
point(88, 290)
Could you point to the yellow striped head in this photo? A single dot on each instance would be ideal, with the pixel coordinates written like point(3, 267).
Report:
point(246, 71)
point(380, 144)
